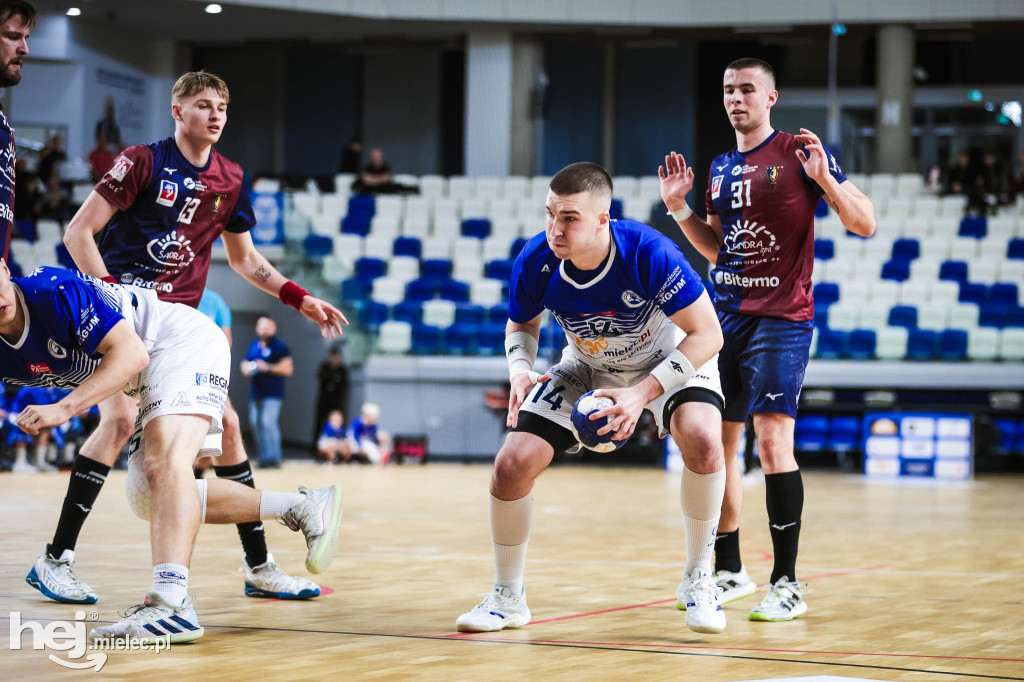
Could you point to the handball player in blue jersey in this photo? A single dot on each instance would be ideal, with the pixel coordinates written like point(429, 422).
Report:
point(160, 208)
point(642, 330)
point(17, 18)
point(65, 329)
point(759, 236)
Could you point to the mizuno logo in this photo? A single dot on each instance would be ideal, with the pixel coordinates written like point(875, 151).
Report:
point(169, 171)
point(83, 507)
point(782, 527)
point(773, 396)
point(719, 168)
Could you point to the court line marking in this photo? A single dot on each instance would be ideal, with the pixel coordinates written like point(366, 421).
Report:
point(629, 648)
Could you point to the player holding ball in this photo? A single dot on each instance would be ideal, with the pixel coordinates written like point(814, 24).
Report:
point(643, 332)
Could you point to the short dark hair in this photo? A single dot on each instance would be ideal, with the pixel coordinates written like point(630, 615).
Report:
point(21, 8)
point(581, 177)
point(753, 63)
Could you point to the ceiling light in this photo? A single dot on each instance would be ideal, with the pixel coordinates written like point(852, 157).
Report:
point(214, 8)
point(74, 12)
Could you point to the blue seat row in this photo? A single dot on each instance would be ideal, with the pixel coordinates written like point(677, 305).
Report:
point(841, 433)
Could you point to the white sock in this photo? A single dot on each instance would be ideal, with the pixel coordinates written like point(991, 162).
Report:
point(274, 504)
point(170, 581)
point(702, 506)
point(510, 533)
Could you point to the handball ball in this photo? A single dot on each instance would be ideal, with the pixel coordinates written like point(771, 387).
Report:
point(585, 430)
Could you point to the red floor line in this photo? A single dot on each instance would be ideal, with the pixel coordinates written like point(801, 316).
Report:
point(750, 649)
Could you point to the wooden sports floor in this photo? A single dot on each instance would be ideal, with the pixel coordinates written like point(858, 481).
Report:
point(908, 583)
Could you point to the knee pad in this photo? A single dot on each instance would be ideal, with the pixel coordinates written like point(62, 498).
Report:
point(137, 489)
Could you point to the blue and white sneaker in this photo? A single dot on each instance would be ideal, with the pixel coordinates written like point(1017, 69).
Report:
point(154, 620)
point(56, 579)
point(500, 609)
point(269, 582)
point(698, 596)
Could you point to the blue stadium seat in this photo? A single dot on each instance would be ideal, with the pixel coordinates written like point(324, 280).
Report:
point(373, 314)
point(476, 227)
point(426, 340)
point(421, 289)
point(499, 269)
point(811, 432)
point(831, 344)
point(12, 265)
point(953, 344)
point(552, 338)
point(862, 344)
point(903, 316)
point(846, 433)
point(356, 223)
point(896, 270)
point(821, 209)
point(973, 226)
point(454, 290)
point(826, 293)
point(64, 257)
point(408, 311)
point(973, 293)
point(820, 315)
point(469, 314)
point(498, 313)
point(954, 270)
point(369, 269)
point(491, 339)
point(921, 344)
point(1015, 249)
point(408, 246)
point(1015, 317)
point(26, 229)
point(317, 247)
point(460, 338)
point(362, 203)
point(1005, 293)
point(993, 315)
point(1008, 429)
point(824, 249)
point(517, 246)
point(906, 249)
point(615, 212)
point(436, 269)
point(352, 291)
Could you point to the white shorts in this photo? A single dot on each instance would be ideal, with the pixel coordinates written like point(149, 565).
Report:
point(571, 378)
point(188, 371)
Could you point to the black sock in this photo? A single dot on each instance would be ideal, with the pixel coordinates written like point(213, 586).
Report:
point(87, 478)
point(254, 542)
point(727, 551)
point(784, 494)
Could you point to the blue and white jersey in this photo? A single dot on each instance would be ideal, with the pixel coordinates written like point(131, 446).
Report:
point(618, 320)
point(67, 315)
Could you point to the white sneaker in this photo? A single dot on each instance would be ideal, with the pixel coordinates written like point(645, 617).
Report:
point(268, 581)
point(499, 610)
point(784, 601)
point(154, 620)
point(56, 579)
point(319, 518)
point(698, 596)
point(23, 467)
point(734, 585)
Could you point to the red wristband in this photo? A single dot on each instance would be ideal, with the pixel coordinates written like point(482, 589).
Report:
point(109, 278)
point(292, 294)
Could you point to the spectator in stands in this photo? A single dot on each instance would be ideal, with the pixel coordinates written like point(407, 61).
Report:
point(933, 179)
point(351, 156)
point(101, 159)
point(332, 445)
point(49, 156)
point(960, 176)
point(28, 197)
point(333, 378)
point(56, 204)
point(268, 362)
point(106, 127)
point(994, 180)
point(1017, 183)
point(376, 177)
point(368, 442)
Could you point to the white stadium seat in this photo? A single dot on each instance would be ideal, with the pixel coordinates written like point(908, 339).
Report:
point(388, 290)
point(1011, 344)
point(891, 343)
point(439, 313)
point(395, 338)
point(403, 268)
point(983, 344)
point(486, 292)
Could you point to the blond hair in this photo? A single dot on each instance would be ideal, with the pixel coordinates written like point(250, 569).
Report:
point(194, 82)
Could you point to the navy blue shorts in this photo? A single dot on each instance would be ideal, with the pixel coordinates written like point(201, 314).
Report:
point(762, 364)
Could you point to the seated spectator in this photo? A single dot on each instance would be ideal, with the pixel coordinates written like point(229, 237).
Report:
point(960, 176)
point(933, 179)
point(1017, 182)
point(367, 441)
point(994, 181)
point(101, 159)
point(56, 203)
point(49, 156)
point(28, 197)
point(332, 445)
point(351, 156)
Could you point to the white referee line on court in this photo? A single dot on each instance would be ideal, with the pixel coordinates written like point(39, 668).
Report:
point(431, 554)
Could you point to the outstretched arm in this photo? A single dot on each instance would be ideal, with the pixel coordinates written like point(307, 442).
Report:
point(854, 208)
point(676, 183)
point(253, 266)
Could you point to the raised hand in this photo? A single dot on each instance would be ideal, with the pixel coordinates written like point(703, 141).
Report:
point(676, 181)
point(813, 157)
